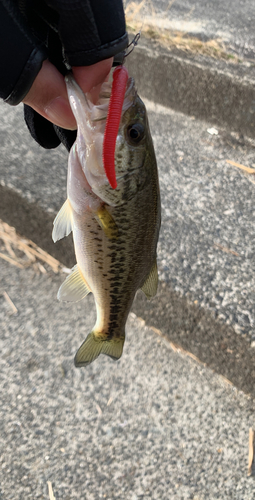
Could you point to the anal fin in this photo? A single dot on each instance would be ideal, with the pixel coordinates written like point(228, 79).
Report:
point(74, 287)
point(63, 222)
point(150, 285)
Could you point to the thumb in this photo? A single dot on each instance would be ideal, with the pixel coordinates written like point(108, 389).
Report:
point(90, 78)
point(48, 96)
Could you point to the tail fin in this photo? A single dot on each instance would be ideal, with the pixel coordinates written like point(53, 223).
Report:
point(93, 346)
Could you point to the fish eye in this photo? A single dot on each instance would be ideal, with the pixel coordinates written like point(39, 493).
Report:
point(135, 132)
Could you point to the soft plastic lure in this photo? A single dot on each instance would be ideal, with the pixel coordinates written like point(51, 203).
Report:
point(120, 77)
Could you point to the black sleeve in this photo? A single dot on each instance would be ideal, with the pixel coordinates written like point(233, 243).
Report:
point(90, 30)
point(68, 32)
point(21, 54)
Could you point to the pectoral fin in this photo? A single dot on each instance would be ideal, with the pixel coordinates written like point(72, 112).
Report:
point(63, 222)
point(151, 283)
point(107, 223)
point(74, 287)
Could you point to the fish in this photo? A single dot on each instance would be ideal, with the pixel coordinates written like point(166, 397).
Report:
point(115, 231)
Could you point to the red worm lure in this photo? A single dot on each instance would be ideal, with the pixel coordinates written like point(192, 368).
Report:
point(120, 77)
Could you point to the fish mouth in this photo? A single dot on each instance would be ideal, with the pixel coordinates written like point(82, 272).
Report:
point(99, 111)
point(82, 105)
point(91, 123)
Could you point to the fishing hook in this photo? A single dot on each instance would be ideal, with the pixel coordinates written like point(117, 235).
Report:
point(119, 58)
point(133, 44)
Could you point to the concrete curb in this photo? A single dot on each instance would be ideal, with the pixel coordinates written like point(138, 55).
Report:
point(219, 92)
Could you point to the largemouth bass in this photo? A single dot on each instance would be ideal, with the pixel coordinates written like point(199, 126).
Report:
point(115, 231)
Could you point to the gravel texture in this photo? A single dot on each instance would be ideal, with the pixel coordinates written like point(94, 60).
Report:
point(230, 22)
point(207, 240)
point(155, 425)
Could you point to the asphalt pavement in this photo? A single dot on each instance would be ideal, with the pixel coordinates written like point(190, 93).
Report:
point(171, 419)
point(154, 425)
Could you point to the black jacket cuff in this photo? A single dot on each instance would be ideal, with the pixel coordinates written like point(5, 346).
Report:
point(21, 54)
point(27, 77)
point(88, 57)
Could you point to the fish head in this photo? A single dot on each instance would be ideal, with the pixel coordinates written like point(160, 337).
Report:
point(133, 148)
point(133, 142)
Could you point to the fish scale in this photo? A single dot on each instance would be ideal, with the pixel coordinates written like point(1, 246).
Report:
point(115, 232)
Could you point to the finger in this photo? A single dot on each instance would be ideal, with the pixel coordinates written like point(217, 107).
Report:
point(48, 96)
point(90, 78)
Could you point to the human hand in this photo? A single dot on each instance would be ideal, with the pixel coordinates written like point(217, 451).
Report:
point(48, 95)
